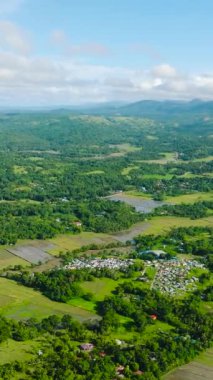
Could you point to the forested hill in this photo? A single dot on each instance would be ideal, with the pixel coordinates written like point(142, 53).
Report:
point(168, 109)
point(158, 110)
point(152, 109)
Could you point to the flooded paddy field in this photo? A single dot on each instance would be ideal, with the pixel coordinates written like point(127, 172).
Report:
point(31, 253)
point(139, 203)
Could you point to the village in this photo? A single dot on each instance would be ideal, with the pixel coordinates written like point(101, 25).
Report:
point(98, 263)
point(172, 276)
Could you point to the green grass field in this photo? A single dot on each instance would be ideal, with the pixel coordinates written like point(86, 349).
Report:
point(20, 302)
point(7, 259)
point(154, 328)
point(126, 335)
point(191, 175)
point(139, 194)
point(160, 224)
point(206, 357)
point(100, 287)
point(191, 198)
point(185, 198)
point(22, 351)
point(94, 172)
point(83, 304)
point(205, 159)
point(168, 156)
point(157, 176)
point(127, 170)
point(71, 242)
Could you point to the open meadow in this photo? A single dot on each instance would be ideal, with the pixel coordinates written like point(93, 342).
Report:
point(21, 351)
point(20, 302)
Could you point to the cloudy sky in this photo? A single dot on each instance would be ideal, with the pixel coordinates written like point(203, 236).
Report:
point(63, 52)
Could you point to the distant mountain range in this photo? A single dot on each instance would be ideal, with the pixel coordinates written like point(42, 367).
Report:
point(152, 109)
point(157, 109)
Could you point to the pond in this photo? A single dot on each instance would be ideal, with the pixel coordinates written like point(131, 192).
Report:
point(140, 204)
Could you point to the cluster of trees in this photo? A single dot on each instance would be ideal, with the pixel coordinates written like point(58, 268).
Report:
point(57, 284)
point(45, 220)
point(174, 186)
point(195, 240)
point(195, 210)
point(60, 357)
point(45, 160)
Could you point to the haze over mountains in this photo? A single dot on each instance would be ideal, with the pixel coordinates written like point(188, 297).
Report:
point(154, 109)
point(150, 109)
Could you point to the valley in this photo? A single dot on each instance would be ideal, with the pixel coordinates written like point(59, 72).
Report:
point(68, 206)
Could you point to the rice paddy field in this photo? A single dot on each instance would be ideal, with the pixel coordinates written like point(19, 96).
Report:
point(7, 259)
point(199, 369)
point(20, 302)
point(156, 225)
point(71, 242)
point(31, 254)
point(68, 242)
point(191, 198)
point(25, 252)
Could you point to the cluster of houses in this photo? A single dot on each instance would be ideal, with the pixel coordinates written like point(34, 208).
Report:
point(98, 263)
point(88, 347)
point(173, 276)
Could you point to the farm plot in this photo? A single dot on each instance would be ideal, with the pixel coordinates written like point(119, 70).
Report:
point(31, 254)
point(7, 259)
point(199, 369)
point(19, 302)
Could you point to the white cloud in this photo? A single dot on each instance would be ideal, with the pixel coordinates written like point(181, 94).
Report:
point(27, 80)
point(165, 71)
point(13, 38)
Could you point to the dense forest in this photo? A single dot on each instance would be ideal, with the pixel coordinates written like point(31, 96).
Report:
point(51, 177)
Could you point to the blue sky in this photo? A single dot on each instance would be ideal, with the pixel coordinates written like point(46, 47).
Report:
point(70, 52)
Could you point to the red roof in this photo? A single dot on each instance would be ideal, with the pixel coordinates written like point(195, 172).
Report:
point(153, 316)
point(102, 354)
